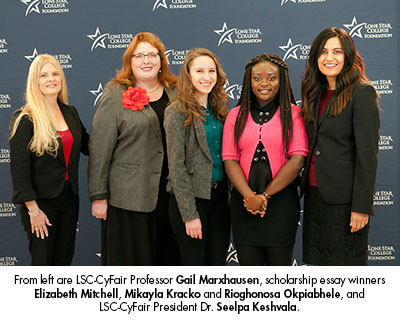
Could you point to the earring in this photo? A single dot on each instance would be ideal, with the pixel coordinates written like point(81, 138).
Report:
point(159, 70)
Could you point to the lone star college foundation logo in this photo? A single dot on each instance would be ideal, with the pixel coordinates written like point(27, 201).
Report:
point(176, 57)
point(234, 91)
point(110, 41)
point(98, 93)
point(384, 198)
point(4, 155)
point(381, 253)
point(64, 59)
point(385, 142)
point(297, 51)
point(174, 4)
point(3, 46)
point(238, 36)
point(301, 1)
point(369, 30)
point(5, 100)
point(47, 6)
point(7, 210)
point(383, 86)
point(232, 255)
point(8, 261)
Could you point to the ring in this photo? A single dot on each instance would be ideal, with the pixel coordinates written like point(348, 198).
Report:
point(36, 228)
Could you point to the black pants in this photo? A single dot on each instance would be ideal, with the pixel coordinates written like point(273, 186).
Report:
point(167, 251)
point(62, 212)
point(215, 222)
point(262, 255)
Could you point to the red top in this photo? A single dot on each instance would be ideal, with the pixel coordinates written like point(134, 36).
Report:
point(325, 97)
point(67, 141)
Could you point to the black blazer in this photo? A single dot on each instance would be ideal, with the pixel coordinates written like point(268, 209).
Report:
point(346, 151)
point(43, 177)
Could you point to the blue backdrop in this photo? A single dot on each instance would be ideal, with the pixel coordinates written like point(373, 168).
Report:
point(88, 37)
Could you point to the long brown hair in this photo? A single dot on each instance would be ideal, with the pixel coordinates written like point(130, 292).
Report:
point(218, 98)
point(313, 81)
point(285, 95)
point(124, 76)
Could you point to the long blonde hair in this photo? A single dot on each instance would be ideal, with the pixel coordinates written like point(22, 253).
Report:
point(44, 139)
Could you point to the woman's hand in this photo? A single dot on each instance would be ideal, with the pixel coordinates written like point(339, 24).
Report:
point(99, 209)
point(358, 221)
point(39, 224)
point(193, 228)
point(257, 205)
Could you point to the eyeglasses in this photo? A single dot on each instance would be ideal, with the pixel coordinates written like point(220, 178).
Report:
point(150, 56)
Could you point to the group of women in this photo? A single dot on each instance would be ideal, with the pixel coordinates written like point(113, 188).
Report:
point(171, 171)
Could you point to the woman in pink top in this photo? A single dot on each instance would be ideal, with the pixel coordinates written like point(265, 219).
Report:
point(264, 148)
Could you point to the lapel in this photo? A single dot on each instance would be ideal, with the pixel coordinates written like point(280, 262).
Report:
point(202, 137)
point(325, 112)
point(74, 128)
point(152, 118)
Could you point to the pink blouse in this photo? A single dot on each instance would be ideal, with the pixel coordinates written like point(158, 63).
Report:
point(271, 137)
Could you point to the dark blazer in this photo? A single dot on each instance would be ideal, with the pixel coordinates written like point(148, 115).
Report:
point(189, 161)
point(346, 151)
point(43, 177)
point(126, 153)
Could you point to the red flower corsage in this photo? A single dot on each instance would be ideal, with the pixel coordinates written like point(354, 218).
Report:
point(135, 98)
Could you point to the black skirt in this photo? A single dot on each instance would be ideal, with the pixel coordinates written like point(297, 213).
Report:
point(278, 227)
point(128, 238)
point(327, 239)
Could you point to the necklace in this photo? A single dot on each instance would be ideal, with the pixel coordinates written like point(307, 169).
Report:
point(152, 90)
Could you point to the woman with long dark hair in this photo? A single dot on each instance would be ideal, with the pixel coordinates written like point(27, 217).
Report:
point(198, 207)
point(264, 149)
point(340, 109)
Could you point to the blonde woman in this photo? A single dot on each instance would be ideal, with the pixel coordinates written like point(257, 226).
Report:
point(46, 138)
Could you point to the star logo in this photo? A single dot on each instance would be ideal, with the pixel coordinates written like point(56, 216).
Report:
point(290, 50)
point(98, 39)
point(33, 5)
point(285, 1)
point(355, 28)
point(32, 57)
point(98, 93)
point(160, 3)
point(232, 255)
point(225, 33)
point(230, 89)
point(168, 53)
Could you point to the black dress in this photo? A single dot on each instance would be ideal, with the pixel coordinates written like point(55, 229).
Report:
point(279, 225)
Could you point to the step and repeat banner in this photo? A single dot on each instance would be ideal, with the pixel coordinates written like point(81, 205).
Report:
point(88, 37)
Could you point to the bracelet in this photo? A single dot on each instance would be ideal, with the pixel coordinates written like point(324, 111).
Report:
point(266, 195)
point(34, 213)
point(248, 199)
